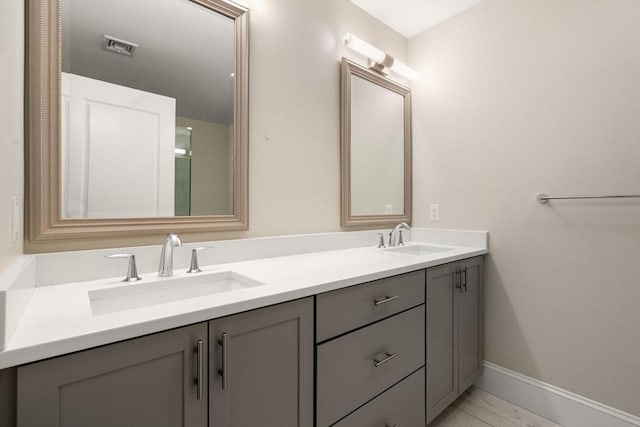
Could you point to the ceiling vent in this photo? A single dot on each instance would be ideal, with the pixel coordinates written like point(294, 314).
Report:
point(122, 47)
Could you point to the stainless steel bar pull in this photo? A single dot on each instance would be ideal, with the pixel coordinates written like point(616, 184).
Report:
point(224, 371)
point(457, 281)
point(199, 369)
point(385, 300)
point(464, 278)
point(377, 363)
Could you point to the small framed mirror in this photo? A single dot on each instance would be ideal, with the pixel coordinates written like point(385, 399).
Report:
point(375, 149)
point(137, 117)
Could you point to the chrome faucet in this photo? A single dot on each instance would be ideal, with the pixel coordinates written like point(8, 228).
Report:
point(166, 257)
point(397, 231)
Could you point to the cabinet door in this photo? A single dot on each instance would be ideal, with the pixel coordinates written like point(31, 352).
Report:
point(265, 358)
point(470, 323)
point(442, 345)
point(147, 381)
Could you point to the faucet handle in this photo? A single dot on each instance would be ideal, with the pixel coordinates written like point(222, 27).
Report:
point(194, 268)
point(381, 241)
point(400, 241)
point(132, 269)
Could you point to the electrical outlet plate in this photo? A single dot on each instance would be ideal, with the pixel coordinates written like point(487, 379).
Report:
point(434, 212)
point(388, 209)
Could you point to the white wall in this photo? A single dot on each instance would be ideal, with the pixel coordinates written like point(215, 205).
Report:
point(538, 96)
point(294, 154)
point(211, 179)
point(11, 122)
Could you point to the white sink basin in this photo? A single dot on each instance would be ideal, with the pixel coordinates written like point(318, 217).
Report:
point(419, 250)
point(141, 294)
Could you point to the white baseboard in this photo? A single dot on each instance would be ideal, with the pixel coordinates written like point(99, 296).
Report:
point(553, 403)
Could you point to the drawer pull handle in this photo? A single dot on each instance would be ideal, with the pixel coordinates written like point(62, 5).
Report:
point(224, 372)
point(385, 300)
point(464, 278)
point(377, 363)
point(457, 279)
point(200, 369)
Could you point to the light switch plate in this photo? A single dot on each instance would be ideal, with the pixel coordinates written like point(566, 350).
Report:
point(15, 219)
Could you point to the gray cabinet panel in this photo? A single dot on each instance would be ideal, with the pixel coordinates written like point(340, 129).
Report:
point(350, 308)
point(442, 345)
point(454, 331)
point(8, 397)
point(346, 373)
point(147, 381)
point(470, 324)
point(402, 405)
point(269, 367)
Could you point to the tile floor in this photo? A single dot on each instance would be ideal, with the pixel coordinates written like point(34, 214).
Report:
point(477, 408)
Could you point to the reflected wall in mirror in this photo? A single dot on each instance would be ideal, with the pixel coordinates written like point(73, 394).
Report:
point(138, 117)
point(375, 148)
point(128, 84)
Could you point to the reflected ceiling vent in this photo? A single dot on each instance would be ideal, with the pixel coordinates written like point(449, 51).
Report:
point(122, 47)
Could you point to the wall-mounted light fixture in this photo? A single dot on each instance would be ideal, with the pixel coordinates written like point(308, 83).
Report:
point(378, 60)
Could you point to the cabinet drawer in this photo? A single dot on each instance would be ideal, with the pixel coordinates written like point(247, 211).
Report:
point(401, 405)
point(347, 309)
point(347, 375)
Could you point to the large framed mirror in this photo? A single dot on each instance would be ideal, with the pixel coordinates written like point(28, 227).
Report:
point(375, 149)
point(137, 119)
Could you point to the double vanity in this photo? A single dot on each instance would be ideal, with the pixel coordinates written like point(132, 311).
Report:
point(350, 336)
point(316, 330)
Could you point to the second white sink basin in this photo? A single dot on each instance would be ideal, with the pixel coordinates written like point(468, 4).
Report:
point(141, 294)
point(418, 249)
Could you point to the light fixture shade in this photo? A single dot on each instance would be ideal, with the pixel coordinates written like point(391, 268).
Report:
point(380, 58)
point(362, 47)
point(404, 70)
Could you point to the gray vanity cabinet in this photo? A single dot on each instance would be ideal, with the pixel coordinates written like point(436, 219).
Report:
point(454, 331)
point(262, 367)
point(146, 381)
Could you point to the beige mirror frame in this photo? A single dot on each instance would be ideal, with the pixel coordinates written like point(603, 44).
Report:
point(347, 219)
point(45, 229)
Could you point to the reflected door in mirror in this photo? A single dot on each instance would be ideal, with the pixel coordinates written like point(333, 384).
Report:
point(117, 150)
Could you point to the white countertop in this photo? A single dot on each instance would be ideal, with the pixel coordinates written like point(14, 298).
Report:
point(58, 319)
